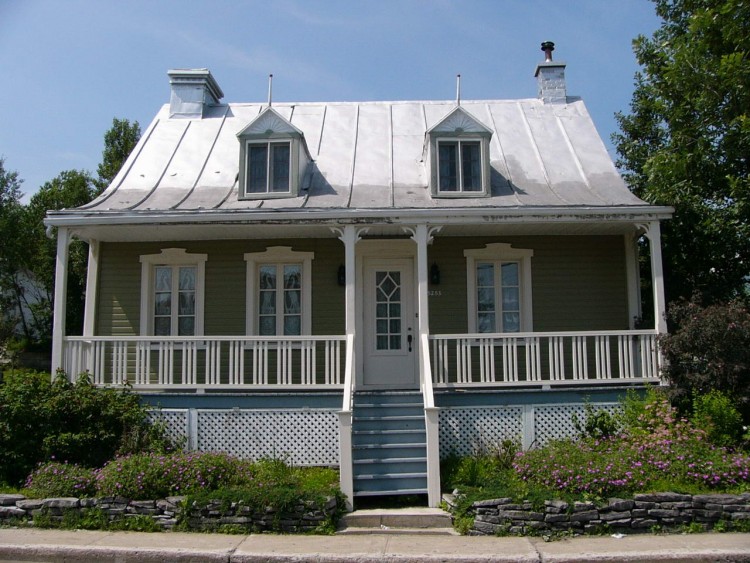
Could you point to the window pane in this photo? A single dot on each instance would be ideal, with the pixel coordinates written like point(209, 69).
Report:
point(163, 279)
point(187, 278)
point(280, 163)
point(485, 275)
point(292, 302)
point(186, 326)
point(267, 326)
point(395, 310)
point(292, 325)
point(510, 273)
point(511, 322)
point(381, 326)
point(486, 322)
point(257, 163)
point(268, 277)
point(471, 169)
point(382, 343)
point(267, 303)
point(511, 299)
point(162, 326)
point(486, 299)
point(395, 326)
point(292, 276)
point(187, 303)
point(395, 342)
point(381, 310)
point(163, 303)
point(447, 167)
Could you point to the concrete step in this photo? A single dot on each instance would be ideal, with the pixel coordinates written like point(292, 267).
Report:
point(397, 521)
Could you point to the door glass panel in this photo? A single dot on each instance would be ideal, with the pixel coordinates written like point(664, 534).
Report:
point(388, 310)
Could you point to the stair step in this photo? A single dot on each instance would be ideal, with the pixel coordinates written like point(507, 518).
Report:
point(410, 517)
point(390, 460)
point(389, 476)
point(387, 530)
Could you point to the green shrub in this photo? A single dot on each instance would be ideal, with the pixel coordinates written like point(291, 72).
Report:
point(716, 415)
point(153, 475)
point(61, 480)
point(595, 424)
point(708, 348)
point(42, 420)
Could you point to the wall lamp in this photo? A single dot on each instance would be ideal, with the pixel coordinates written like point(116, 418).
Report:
point(341, 275)
point(434, 274)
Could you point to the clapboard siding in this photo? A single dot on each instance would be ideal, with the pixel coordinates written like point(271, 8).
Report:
point(578, 282)
point(225, 301)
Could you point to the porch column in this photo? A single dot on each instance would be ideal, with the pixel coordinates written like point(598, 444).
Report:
point(422, 235)
point(653, 232)
point(633, 279)
point(61, 293)
point(92, 289)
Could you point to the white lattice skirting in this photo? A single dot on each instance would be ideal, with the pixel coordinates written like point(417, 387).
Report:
point(469, 430)
point(301, 437)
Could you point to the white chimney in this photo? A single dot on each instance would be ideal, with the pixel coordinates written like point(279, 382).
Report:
point(550, 77)
point(193, 90)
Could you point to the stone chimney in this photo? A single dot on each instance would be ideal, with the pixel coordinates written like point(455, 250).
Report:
point(550, 77)
point(193, 90)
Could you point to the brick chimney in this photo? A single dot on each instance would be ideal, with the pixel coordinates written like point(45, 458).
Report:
point(550, 77)
point(193, 90)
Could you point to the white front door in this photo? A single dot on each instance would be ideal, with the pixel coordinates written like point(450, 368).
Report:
point(390, 328)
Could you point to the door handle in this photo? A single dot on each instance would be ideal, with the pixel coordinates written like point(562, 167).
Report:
point(409, 338)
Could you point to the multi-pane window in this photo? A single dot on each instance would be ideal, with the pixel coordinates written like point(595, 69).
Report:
point(459, 166)
point(279, 299)
point(388, 297)
point(268, 167)
point(174, 300)
point(498, 297)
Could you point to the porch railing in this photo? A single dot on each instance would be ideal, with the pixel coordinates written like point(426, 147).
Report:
point(208, 362)
point(542, 359)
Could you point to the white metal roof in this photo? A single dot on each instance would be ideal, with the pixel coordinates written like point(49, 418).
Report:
point(367, 162)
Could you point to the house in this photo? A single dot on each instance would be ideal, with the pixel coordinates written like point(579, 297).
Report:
point(368, 285)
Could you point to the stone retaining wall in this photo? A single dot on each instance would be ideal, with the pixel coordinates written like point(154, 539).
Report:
point(305, 517)
point(643, 513)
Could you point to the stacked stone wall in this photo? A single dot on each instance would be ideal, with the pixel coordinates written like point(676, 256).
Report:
point(643, 513)
point(305, 517)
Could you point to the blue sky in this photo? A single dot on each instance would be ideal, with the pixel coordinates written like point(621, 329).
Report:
point(69, 67)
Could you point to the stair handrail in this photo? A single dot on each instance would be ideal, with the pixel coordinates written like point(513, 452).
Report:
point(349, 374)
point(428, 392)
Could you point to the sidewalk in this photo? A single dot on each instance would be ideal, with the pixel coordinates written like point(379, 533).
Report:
point(26, 545)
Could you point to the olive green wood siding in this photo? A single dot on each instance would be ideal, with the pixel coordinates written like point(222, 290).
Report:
point(224, 311)
point(578, 282)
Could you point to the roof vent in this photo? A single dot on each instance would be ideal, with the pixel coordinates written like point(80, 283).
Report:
point(550, 77)
point(193, 90)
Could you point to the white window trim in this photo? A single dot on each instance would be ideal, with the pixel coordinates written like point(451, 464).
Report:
point(459, 171)
point(278, 255)
point(171, 257)
point(500, 252)
point(268, 142)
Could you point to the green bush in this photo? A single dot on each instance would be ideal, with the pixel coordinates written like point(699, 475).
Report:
point(153, 475)
point(716, 415)
point(61, 480)
point(708, 348)
point(42, 420)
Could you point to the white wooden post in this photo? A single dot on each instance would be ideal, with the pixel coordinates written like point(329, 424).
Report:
point(657, 275)
point(633, 279)
point(346, 467)
point(59, 307)
point(92, 283)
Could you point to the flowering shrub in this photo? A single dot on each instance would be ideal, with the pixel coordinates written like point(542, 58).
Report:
point(151, 476)
point(655, 450)
point(56, 479)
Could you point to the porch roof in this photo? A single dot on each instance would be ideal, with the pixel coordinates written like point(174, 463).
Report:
point(369, 162)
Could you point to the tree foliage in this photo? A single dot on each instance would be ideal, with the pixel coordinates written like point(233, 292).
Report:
point(119, 142)
point(686, 142)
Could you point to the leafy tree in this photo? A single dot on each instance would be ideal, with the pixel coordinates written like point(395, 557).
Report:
point(119, 141)
point(71, 188)
point(686, 142)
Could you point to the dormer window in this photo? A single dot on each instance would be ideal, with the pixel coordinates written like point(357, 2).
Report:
point(459, 165)
point(273, 157)
point(459, 156)
point(268, 167)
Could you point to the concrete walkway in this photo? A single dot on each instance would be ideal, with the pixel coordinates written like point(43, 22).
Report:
point(26, 545)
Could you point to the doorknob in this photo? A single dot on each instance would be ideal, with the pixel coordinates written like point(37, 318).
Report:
point(409, 338)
